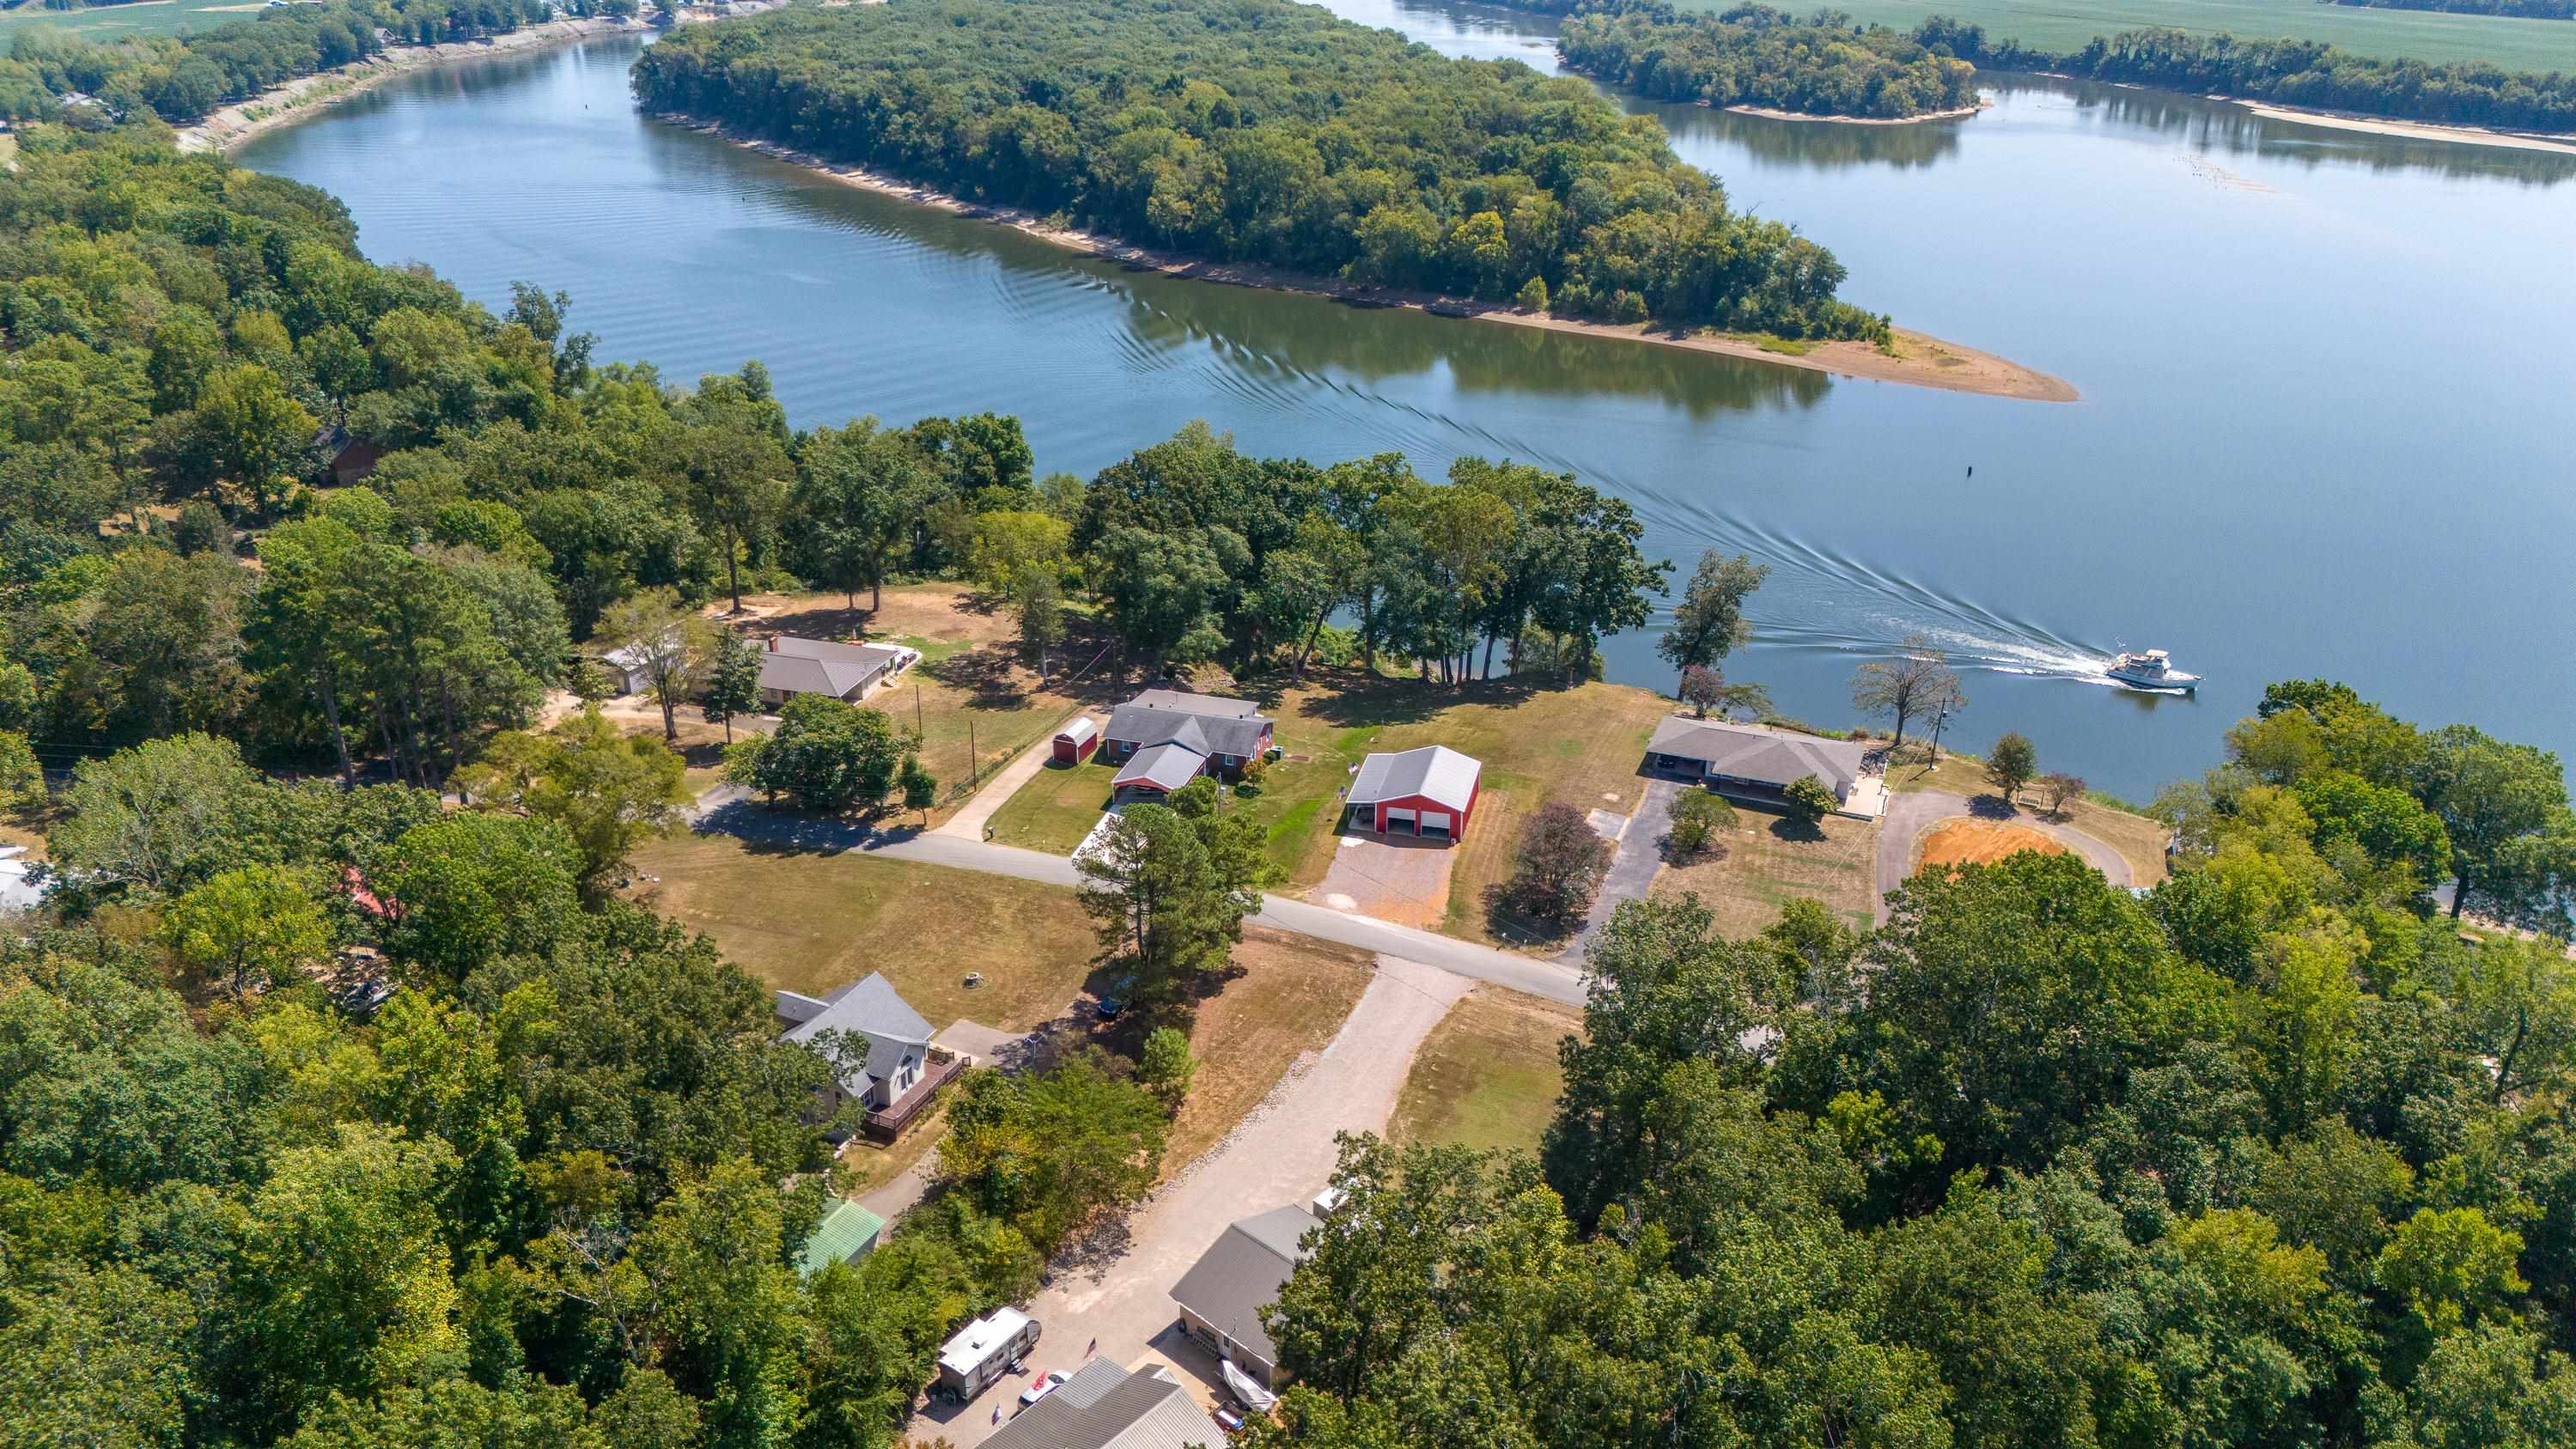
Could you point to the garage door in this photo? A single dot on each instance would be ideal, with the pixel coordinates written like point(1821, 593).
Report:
point(1435, 822)
point(1398, 819)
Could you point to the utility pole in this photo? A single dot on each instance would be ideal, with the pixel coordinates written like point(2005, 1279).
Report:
point(916, 708)
point(974, 761)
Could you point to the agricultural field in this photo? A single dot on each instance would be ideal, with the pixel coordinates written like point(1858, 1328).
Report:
point(2064, 25)
point(122, 22)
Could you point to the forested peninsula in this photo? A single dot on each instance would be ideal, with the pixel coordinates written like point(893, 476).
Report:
point(1268, 133)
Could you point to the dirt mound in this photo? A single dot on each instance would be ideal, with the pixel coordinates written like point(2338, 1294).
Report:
point(1979, 842)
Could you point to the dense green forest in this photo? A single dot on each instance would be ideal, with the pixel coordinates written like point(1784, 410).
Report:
point(1268, 132)
point(2288, 72)
point(1753, 55)
point(2525, 9)
point(2271, 1156)
point(179, 79)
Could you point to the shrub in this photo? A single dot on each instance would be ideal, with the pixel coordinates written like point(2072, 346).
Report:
point(1697, 818)
point(1809, 800)
point(1559, 865)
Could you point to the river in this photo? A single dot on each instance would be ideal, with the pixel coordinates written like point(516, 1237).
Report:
point(2327, 386)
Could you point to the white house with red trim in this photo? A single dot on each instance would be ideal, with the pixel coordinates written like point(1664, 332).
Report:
point(1429, 792)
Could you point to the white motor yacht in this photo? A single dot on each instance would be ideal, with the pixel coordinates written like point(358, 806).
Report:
point(2150, 669)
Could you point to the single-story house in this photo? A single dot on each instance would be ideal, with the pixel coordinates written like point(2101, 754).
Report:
point(1104, 1406)
point(627, 673)
point(791, 666)
point(1752, 762)
point(847, 1233)
point(1222, 1295)
point(1165, 738)
point(1075, 742)
point(347, 458)
point(1428, 792)
point(897, 1040)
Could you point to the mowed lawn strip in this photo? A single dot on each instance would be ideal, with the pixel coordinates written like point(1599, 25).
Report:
point(1056, 808)
point(2140, 840)
point(1488, 1076)
point(1291, 999)
point(814, 923)
point(2065, 25)
point(1764, 861)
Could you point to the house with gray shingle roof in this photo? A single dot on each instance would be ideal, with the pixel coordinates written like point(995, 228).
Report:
point(1165, 738)
point(1753, 762)
point(868, 1014)
point(791, 666)
point(1108, 1407)
point(1222, 1295)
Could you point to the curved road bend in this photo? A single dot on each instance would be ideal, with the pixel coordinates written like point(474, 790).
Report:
point(1915, 811)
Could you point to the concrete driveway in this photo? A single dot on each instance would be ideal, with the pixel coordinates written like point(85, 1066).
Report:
point(1280, 1153)
point(969, 821)
point(1392, 877)
point(1911, 813)
point(1639, 853)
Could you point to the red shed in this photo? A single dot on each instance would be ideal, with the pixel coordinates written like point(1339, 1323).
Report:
point(1075, 742)
point(1429, 792)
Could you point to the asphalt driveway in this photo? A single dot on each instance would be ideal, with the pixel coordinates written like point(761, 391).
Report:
point(1639, 853)
point(1911, 813)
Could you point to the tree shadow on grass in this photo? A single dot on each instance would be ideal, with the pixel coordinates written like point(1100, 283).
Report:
point(990, 673)
point(1361, 699)
point(1791, 828)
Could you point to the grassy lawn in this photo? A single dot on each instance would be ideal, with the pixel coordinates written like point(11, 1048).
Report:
point(2140, 841)
point(813, 923)
point(2065, 25)
point(1487, 1076)
point(1056, 808)
point(975, 702)
point(1581, 745)
point(1291, 998)
point(869, 1165)
point(1767, 861)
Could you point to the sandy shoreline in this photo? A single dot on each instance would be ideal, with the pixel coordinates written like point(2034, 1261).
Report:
point(2407, 130)
point(284, 105)
point(1920, 360)
point(1768, 114)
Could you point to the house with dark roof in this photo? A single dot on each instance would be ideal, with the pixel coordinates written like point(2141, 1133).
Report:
point(791, 666)
point(1428, 792)
point(1107, 1407)
point(1165, 738)
point(1222, 1295)
point(885, 1054)
point(1758, 764)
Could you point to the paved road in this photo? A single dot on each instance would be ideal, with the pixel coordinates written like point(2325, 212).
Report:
point(1915, 811)
point(1281, 1153)
point(1639, 855)
point(729, 810)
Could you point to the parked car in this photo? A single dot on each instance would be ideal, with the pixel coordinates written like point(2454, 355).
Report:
point(1043, 1385)
point(1114, 1002)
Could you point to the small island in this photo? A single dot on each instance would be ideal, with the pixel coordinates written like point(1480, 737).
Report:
point(1277, 145)
point(1760, 60)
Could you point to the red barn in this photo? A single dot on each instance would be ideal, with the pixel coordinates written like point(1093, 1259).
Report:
point(1075, 742)
point(1429, 792)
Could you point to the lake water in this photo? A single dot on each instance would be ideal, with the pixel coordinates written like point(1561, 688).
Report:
point(2327, 380)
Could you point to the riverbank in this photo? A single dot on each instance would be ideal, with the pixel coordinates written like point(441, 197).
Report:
point(229, 126)
point(1769, 114)
point(2407, 130)
point(1914, 359)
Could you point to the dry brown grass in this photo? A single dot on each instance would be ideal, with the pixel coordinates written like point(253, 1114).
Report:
point(2140, 841)
point(869, 1165)
point(1291, 998)
point(1978, 842)
point(1487, 1076)
point(812, 923)
point(1766, 861)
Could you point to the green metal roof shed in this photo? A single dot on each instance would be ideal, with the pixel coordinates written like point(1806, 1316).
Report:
point(847, 1234)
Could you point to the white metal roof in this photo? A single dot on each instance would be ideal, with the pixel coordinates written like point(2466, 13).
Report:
point(976, 1341)
point(1434, 772)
